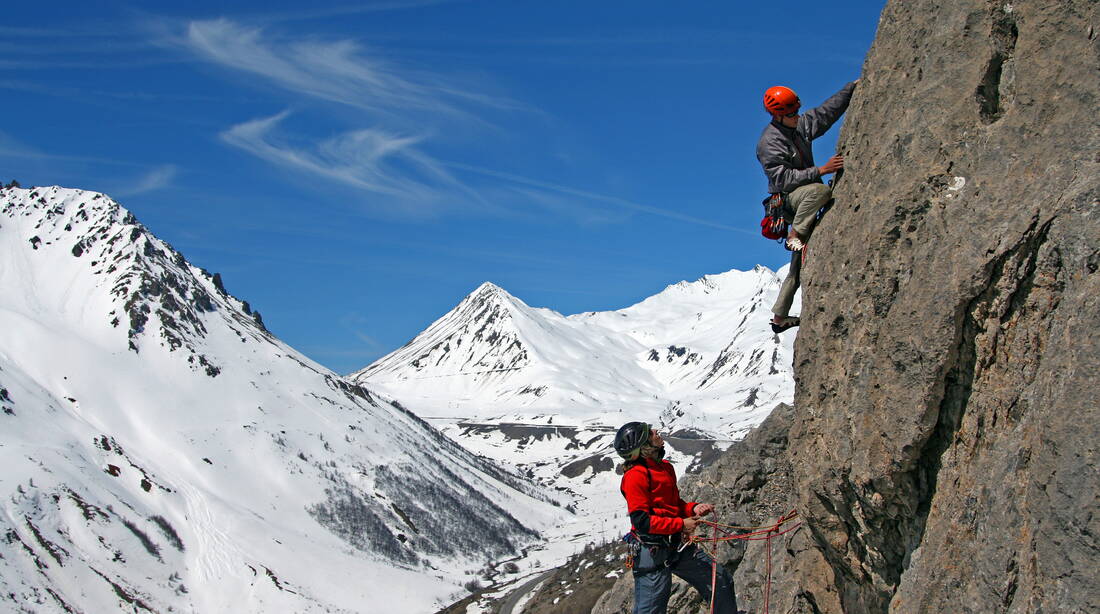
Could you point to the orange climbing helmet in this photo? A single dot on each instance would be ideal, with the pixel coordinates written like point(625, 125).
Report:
point(781, 100)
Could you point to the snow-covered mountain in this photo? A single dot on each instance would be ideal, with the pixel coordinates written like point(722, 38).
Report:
point(545, 392)
point(162, 451)
point(698, 355)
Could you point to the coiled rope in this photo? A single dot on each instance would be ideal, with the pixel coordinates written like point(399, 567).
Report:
point(764, 532)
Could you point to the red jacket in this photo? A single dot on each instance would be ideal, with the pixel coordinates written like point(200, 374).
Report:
point(652, 498)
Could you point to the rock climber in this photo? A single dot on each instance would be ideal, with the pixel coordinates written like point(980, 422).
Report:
point(661, 523)
point(785, 152)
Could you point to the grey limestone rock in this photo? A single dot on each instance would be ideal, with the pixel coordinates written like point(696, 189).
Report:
point(750, 485)
point(944, 448)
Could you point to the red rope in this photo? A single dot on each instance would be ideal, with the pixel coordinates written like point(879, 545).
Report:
point(714, 569)
point(767, 533)
point(768, 582)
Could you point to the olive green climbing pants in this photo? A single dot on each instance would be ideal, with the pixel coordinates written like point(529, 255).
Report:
point(800, 210)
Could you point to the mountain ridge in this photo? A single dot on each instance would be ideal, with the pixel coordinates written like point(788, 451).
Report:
point(674, 345)
point(165, 450)
point(697, 360)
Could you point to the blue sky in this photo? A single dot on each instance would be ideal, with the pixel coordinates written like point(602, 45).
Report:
point(354, 170)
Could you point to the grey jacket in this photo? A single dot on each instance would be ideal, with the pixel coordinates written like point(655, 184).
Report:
point(786, 154)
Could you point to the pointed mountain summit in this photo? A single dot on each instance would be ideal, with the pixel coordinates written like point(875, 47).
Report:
point(109, 274)
point(703, 343)
point(545, 392)
point(495, 352)
point(163, 451)
point(478, 337)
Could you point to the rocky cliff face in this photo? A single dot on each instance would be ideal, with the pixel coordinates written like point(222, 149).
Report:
point(942, 451)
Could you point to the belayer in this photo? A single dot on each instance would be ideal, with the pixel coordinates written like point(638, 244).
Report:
point(785, 152)
point(661, 522)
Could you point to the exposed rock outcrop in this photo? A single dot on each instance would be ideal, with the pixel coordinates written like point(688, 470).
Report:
point(943, 448)
point(750, 486)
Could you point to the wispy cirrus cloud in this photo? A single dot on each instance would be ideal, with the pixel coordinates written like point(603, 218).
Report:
point(338, 71)
point(98, 45)
point(388, 158)
point(391, 164)
point(373, 160)
point(596, 197)
point(156, 179)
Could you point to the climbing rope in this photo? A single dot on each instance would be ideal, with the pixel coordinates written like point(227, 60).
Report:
point(764, 532)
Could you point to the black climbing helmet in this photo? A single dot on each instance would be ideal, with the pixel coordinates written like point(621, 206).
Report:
point(629, 439)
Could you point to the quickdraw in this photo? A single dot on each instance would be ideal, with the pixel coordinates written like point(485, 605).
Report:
point(773, 225)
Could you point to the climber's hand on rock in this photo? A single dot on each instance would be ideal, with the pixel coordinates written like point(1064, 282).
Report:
point(834, 164)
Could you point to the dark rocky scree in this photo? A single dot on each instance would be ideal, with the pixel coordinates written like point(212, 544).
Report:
point(166, 287)
point(577, 586)
point(570, 589)
point(731, 355)
point(421, 510)
point(943, 449)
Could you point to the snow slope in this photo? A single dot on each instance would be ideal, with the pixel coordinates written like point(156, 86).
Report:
point(545, 393)
point(698, 355)
point(163, 451)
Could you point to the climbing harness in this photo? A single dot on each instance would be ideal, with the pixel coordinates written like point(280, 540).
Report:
point(759, 533)
point(663, 551)
point(634, 545)
point(773, 225)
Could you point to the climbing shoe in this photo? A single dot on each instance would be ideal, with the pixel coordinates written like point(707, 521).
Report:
point(785, 323)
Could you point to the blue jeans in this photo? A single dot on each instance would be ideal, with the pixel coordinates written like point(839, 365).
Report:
point(653, 579)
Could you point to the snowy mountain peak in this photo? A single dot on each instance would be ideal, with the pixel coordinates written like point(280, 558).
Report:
point(487, 288)
point(728, 281)
point(478, 337)
point(120, 277)
point(705, 283)
point(163, 450)
point(703, 344)
point(489, 296)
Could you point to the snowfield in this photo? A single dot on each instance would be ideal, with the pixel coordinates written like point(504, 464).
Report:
point(162, 450)
point(544, 393)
